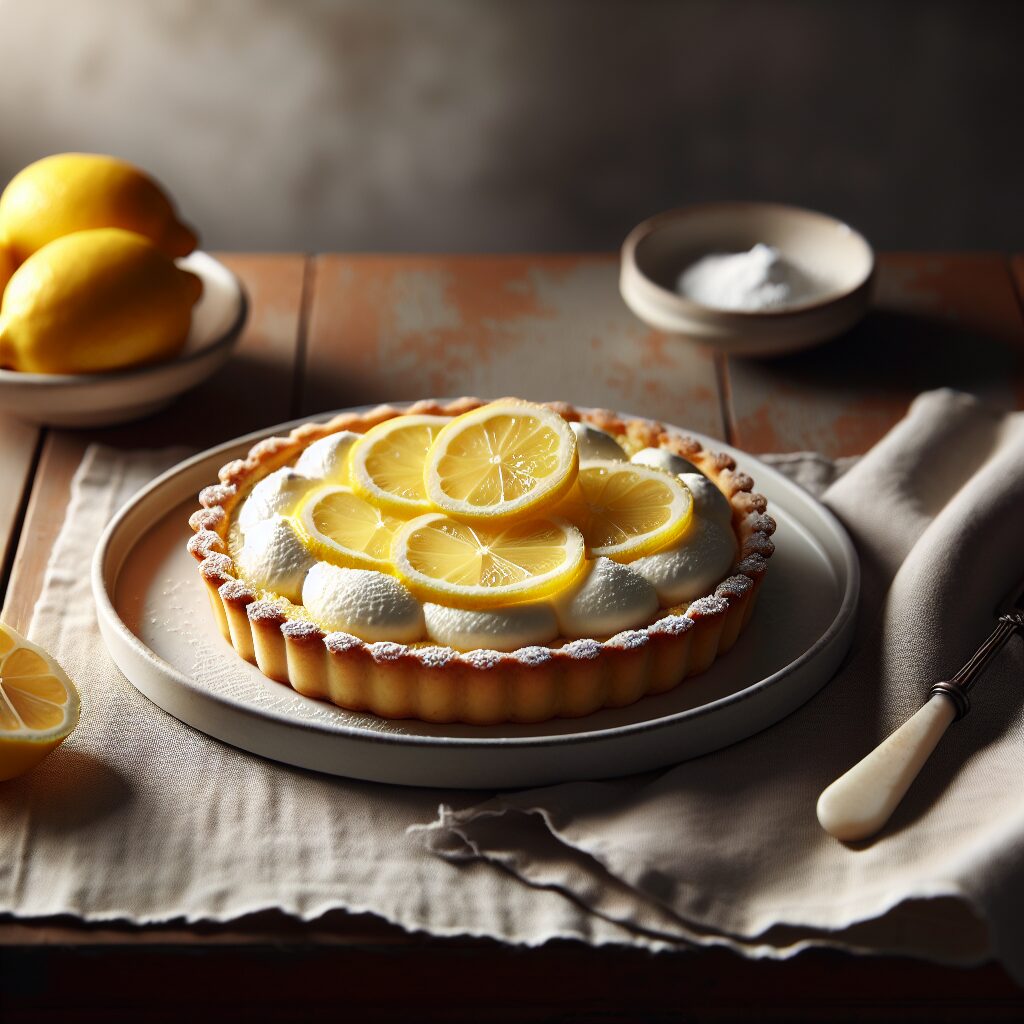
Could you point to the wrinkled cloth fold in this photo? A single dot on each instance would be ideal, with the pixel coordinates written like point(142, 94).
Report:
point(140, 817)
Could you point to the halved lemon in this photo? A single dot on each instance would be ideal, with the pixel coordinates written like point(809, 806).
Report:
point(504, 459)
point(484, 565)
point(625, 510)
point(386, 463)
point(39, 705)
point(337, 525)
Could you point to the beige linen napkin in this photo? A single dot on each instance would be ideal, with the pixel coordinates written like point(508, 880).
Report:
point(728, 844)
point(140, 817)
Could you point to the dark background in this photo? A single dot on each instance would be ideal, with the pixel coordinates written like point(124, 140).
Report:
point(531, 124)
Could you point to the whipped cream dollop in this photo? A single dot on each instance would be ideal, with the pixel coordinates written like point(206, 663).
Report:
point(609, 598)
point(369, 604)
point(661, 459)
point(276, 494)
point(592, 443)
point(327, 459)
point(702, 556)
point(274, 558)
point(504, 629)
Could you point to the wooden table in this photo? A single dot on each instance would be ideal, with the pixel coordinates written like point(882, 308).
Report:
point(336, 330)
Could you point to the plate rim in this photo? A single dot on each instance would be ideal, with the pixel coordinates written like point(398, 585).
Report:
point(107, 613)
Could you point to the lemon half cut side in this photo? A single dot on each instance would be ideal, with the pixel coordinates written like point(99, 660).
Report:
point(39, 705)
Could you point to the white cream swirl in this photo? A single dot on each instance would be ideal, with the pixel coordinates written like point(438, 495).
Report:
point(327, 459)
point(702, 556)
point(371, 605)
point(273, 557)
point(661, 459)
point(505, 629)
point(275, 495)
point(593, 443)
point(611, 597)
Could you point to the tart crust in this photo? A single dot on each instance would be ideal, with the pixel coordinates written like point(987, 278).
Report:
point(482, 687)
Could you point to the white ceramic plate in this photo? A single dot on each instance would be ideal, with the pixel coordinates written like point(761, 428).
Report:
point(155, 619)
point(102, 399)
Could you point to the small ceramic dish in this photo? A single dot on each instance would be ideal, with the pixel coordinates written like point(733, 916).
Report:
point(103, 399)
point(836, 257)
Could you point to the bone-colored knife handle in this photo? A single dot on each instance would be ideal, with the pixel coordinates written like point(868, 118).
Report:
point(860, 802)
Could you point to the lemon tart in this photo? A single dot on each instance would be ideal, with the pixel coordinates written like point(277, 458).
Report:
point(481, 562)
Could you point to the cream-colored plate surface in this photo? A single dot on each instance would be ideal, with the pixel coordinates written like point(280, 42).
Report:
point(102, 399)
point(155, 620)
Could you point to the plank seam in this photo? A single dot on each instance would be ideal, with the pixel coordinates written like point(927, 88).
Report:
point(721, 362)
point(302, 332)
point(19, 521)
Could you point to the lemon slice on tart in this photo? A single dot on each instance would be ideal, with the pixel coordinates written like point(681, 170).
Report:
point(485, 565)
point(508, 458)
point(626, 510)
point(386, 463)
point(339, 526)
point(39, 705)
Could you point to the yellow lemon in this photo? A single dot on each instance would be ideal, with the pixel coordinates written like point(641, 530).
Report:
point(39, 705)
point(386, 463)
point(71, 192)
point(625, 510)
point(337, 525)
point(486, 565)
point(505, 459)
point(95, 301)
point(7, 267)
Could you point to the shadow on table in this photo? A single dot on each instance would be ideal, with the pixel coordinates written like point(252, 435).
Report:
point(895, 352)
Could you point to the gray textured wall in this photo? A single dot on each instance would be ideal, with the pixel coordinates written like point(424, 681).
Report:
point(530, 124)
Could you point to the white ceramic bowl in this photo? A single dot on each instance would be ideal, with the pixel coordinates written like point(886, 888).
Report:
point(102, 399)
point(658, 250)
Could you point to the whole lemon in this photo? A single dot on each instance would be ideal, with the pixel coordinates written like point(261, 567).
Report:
point(77, 191)
point(94, 301)
point(7, 266)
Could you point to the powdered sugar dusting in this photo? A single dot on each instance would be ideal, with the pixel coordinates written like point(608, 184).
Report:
point(235, 590)
point(338, 642)
point(583, 650)
point(671, 625)
point(301, 629)
point(734, 586)
point(629, 639)
point(753, 565)
point(435, 657)
point(264, 611)
point(533, 655)
point(205, 543)
point(385, 650)
point(483, 658)
point(705, 606)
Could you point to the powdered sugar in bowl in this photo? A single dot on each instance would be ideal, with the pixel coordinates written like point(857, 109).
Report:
point(747, 278)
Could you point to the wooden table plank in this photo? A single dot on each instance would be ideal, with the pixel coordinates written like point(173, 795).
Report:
point(937, 320)
point(18, 445)
point(541, 327)
point(255, 389)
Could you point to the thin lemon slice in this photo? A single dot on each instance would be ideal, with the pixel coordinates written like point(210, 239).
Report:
point(477, 566)
point(337, 525)
point(625, 510)
point(505, 459)
point(386, 463)
point(39, 705)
